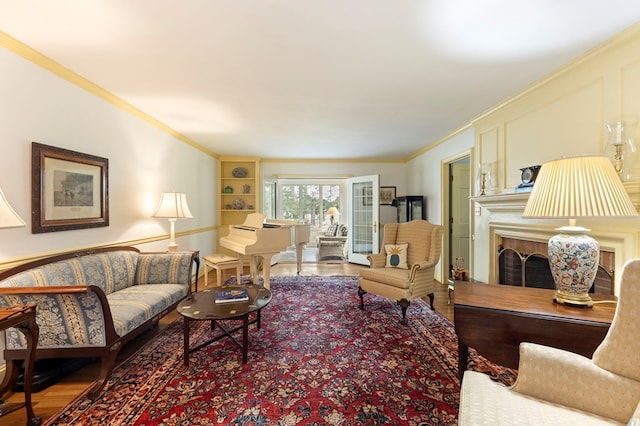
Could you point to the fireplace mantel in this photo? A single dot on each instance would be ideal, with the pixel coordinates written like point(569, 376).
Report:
point(513, 202)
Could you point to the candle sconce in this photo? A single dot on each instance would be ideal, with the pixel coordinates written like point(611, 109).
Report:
point(621, 149)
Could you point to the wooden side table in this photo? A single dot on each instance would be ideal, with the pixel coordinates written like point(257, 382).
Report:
point(219, 262)
point(22, 317)
point(494, 319)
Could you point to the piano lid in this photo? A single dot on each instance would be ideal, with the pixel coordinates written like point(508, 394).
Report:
point(254, 220)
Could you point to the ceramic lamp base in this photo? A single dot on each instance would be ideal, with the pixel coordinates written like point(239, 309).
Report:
point(574, 258)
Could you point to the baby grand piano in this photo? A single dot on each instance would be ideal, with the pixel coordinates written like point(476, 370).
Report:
point(258, 239)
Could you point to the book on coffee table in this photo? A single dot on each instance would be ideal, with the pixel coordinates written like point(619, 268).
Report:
point(231, 295)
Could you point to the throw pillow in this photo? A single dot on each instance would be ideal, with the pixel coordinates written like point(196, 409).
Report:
point(396, 255)
point(331, 230)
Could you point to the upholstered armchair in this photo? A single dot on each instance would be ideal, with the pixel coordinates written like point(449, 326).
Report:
point(556, 387)
point(405, 267)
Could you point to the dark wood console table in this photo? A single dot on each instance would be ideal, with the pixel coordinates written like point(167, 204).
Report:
point(24, 319)
point(494, 319)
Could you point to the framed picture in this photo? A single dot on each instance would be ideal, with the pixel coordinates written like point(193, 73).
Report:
point(387, 195)
point(69, 190)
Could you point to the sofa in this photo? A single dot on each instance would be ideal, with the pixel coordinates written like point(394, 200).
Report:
point(557, 387)
point(331, 243)
point(90, 303)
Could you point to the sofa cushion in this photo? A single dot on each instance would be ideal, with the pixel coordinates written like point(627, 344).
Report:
point(111, 271)
point(130, 307)
point(396, 255)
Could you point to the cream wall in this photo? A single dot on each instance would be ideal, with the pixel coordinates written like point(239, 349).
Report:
point(37, 105)
point(562, 115)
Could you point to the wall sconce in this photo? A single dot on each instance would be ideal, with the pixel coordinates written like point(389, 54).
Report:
point(620, 147)
point(173, 205)
point(8, 217)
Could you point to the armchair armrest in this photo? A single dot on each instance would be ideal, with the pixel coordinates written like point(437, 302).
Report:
point(419, 267)
point(377, 260)
point(553, 375)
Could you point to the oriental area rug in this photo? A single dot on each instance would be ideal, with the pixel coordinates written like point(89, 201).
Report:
point(317, 360)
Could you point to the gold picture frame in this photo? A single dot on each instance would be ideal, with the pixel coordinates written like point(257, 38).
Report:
point(69, 190)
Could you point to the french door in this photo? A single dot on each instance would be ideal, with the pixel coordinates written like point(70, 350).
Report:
point(364, 214)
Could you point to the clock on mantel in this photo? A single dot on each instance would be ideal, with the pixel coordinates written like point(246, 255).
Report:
point(508, 202)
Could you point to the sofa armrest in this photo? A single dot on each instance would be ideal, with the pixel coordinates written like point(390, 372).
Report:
point(572, 380)
point(90, 323)
point(166, 267)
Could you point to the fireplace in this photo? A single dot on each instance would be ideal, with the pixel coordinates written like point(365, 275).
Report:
point(525, 263)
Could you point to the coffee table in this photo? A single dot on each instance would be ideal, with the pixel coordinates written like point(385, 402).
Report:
point(201, 306)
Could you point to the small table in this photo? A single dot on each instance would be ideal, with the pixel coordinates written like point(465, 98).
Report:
point(494, 319)
point(219, 262)
point(22, 317)
point(202, 307)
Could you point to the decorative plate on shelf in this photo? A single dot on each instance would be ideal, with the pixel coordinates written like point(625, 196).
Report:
point(238, 204)
point(240, 172)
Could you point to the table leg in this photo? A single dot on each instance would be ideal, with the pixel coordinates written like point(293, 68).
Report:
point(239, 272)
point(245, 338)
point(206, 273)
point(463, 359)
point(31, 333)
point(185, 328)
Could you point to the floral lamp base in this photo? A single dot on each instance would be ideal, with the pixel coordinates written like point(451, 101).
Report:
point(574, 258)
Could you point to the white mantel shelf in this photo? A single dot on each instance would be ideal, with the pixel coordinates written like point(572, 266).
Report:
point(509, 202)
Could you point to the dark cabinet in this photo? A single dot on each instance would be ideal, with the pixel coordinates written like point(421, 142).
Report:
point(411, 207)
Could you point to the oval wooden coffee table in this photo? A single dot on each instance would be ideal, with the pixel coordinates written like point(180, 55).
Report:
point(201, 306)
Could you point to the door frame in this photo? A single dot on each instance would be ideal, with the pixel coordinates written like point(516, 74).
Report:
point(354, 226)
point(446, 213)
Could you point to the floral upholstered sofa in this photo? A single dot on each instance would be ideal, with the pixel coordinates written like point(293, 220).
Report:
point(89, 304)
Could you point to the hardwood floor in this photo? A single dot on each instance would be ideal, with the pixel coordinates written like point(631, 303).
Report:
point(49, 401)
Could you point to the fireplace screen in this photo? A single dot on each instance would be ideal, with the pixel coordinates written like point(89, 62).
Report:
point(532, 270)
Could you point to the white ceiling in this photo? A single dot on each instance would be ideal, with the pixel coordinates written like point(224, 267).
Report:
point(308, 79)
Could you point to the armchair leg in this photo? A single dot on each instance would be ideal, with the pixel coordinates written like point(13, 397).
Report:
point(431, 297)
point(404, 304)
point(361, 293)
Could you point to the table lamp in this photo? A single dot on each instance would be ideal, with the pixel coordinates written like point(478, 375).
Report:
point(173, 205)
point(574, 188)
point(332, 213)
point(8, 217)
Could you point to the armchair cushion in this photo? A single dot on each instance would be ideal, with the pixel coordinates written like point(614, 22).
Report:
point(485, 402)
point(396, 255)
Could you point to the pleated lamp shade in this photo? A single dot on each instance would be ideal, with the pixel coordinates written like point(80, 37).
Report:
point(579, 187)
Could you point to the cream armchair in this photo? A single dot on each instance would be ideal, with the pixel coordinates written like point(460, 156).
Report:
point(404, 269)
point(556, 387)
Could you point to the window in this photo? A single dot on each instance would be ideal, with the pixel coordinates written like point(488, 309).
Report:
point(308, 202)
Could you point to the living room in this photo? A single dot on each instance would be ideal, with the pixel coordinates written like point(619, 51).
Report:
point(563, 113)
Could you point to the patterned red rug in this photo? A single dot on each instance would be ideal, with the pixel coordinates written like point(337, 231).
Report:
point(318, 360)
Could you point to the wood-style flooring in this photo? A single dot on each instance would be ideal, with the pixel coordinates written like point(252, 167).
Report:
point(49, 401)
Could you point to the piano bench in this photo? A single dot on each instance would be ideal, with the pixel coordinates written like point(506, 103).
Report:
point(219, 262)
